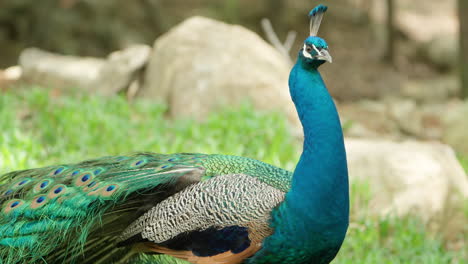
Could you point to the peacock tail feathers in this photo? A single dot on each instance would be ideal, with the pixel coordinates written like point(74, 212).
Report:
point(69, 204)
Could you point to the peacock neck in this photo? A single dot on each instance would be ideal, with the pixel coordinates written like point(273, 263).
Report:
point(321, 173)
point(314, 216)
point(319, 188)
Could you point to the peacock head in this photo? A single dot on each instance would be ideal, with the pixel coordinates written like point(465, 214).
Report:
point(315, 49)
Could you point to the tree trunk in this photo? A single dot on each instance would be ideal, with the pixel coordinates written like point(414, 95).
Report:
point(276, 15)
point(390, 47)
point(463, 19)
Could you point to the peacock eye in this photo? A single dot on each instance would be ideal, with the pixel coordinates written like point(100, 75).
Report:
point(308, 49)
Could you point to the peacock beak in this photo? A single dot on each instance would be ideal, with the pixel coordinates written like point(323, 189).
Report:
point(324, 55)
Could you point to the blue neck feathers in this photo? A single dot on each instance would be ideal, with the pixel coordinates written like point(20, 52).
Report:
point(320, 181)
point(315, 214)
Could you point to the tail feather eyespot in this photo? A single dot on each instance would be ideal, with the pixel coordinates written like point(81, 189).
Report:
point(21, 183)
point(121, 158)
point(98, 171)
point(139, 163)
point(84, 178)
point(164, 167)
point(72, 173)
point(38, 201)
point(57, 171)
point(56, 191)
point(93, 185)
point(42, 185)
point(108, 190)
point(13, 205)
point(7, 192)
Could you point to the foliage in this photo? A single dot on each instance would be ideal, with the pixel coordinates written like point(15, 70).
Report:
point(464, 162)
point(44, 130)
point(87, 27)
point(393, 241)
point(40, 129)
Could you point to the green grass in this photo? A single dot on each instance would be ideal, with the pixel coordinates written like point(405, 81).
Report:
point(464, 162)
point(38, 130)
point(393, 241)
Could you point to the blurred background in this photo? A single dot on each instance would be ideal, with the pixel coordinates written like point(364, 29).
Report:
point(87, 78)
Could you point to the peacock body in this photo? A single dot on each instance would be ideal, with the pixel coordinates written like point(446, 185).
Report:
point(189, 207)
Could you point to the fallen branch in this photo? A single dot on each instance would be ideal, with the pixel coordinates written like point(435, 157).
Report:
point(272, 37)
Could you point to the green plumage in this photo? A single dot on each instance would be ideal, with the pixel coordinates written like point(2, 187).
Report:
point(74, 212)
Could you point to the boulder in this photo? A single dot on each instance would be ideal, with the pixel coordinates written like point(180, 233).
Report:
point(436, 89)
point(433, 33)
point(203, 64)
point(367, 118)
point(122, 68)
point(398, 118)
point(442, 51)
point(455, 123)
point(9, 77)
point(105, 76)
point(58, 71)
point(422, 121)
point(411, 177)
point(417, 19)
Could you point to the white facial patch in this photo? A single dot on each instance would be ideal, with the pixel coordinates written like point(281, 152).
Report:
point(318, 51)
point(305, 53)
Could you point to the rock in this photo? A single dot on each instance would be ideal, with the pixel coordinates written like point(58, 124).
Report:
point(361, 131)
point(107, 77)
point(368, 118)
point(442, 51)
point(395, 118)
point(9, 76)
point(417, 19)
point(432, 121)
point(437, 34)
point(13, 73)
point(202, 65)
point(435, 89)
point(424, 179)
point(420, 121)
point(58, 71)
point(434, 34)
point(403, 112)
point(455, 124)
point(121, 68)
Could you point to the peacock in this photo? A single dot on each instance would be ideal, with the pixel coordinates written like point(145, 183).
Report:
point(191, 207)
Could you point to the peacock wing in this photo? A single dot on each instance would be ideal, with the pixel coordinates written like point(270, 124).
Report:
point(221, 220)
